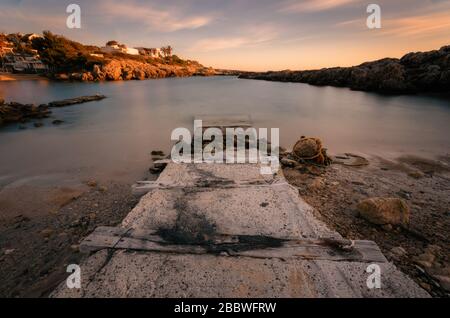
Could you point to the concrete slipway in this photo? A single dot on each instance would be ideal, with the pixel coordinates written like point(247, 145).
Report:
point(225, 230)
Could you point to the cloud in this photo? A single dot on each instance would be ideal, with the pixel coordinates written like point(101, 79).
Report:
point(249, 37)
point(165, 20)
point(422, 25)
point(433, 24)
point(14, 16)
point(313, 5)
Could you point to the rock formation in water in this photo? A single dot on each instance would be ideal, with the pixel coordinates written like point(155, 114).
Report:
point(414, 72)
point(14, 112)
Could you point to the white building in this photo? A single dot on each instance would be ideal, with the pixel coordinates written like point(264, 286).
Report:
point(132, 51)
point(151, 52)
point(24, 64)
point(116, 48)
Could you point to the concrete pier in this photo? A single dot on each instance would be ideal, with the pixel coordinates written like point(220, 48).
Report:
point(225, 230)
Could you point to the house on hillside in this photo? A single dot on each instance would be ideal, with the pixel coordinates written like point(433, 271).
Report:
point(20, 63)
point(6, 48)
point(96, 55)
point(132, 51)
point(114, 47)
point(150, 52)
point(30, 36)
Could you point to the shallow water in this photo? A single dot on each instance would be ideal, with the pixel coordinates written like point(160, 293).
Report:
point(112, 139)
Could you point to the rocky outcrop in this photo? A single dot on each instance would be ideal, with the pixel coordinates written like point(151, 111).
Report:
point(128, 69)
point(414, 72)
point(77, 100)
point(19, 113)
point(16, 112)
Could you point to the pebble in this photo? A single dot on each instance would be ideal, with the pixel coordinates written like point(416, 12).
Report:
point(9, 251)
point(399, 251)
point(47, 233)
point(444, 281)
point(102, 189)
point(92, 183)
point(316, 184)
point(425, 286)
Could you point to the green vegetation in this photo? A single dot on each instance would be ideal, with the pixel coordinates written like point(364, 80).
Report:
point(64, 55)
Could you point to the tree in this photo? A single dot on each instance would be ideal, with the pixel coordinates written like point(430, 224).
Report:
point(167, 51)
point(111, 43)
point(61, 54)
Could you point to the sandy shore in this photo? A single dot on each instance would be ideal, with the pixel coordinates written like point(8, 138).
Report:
point(20, 77)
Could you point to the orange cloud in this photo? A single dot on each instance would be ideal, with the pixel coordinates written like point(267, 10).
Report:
point(167, 20)
point(423, 25)
point(313, 5)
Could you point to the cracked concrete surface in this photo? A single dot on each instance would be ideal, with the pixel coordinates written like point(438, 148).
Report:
point(265, 206)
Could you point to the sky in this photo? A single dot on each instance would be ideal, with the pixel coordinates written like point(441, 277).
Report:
point(254, 35)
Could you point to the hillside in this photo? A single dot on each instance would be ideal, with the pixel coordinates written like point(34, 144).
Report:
point(70, 60)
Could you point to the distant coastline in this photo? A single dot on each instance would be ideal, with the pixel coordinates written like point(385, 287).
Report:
point(413, 73)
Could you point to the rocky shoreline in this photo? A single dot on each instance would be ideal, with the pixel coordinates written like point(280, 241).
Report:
point(128, 69)
point(413, 73)
point(14, 112)
point(400, 203)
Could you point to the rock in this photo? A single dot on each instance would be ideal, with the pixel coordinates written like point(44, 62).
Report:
point(57, 122)
point(398, 251)
point(113, 71)
point(425, 286)
point(97, 73)
point(9, 251)
point(317, 184)
point(37, 125)
point(416, 174)
point(87, 77)
point(76, 76)
point(444, 281)
point(75, 247)
point(138, 74)
point(77, 100)
point(383, 211)
point(127, 73)
point(47, 233)
point(102, 189)
point(426, 259)
point(92, 183)
point(307, 148)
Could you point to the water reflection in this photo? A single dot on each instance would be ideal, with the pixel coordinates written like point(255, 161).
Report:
point(113, 138)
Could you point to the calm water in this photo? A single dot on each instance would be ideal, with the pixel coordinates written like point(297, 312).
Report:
point(113, 138)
